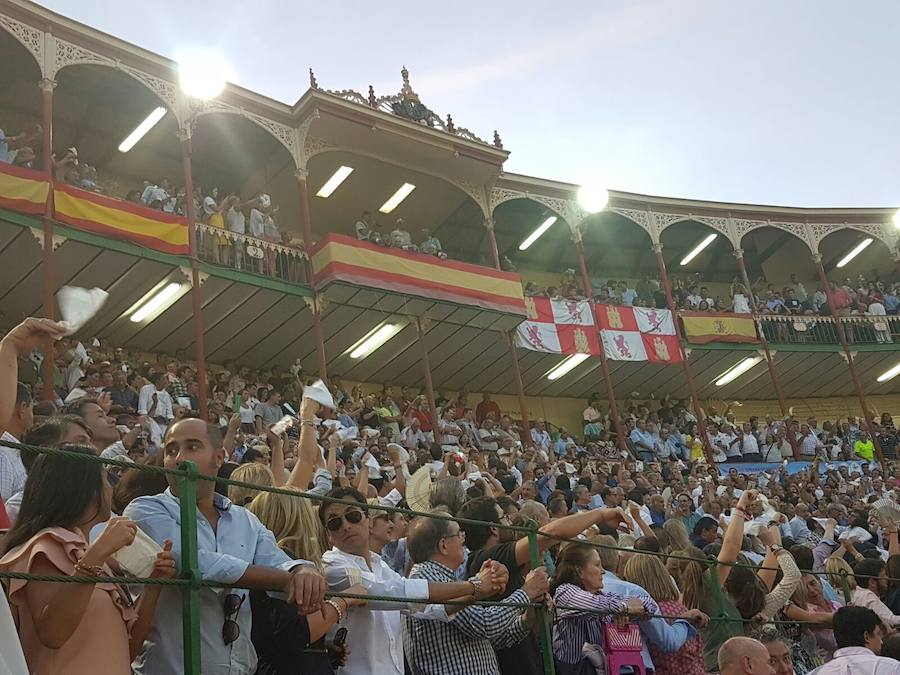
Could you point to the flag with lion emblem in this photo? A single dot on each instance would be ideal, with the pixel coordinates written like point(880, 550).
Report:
point(638, 334)
point(558, 326)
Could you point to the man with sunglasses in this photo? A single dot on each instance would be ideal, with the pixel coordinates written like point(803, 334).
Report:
point(234, 548)
point(377, 647)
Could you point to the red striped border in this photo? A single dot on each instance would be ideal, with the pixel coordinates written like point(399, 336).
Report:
point(22, 205)
point(121, 205)
point(706, 339)
point(23, 172)
point(452, 264)
point(335, 271)
point(113, 233)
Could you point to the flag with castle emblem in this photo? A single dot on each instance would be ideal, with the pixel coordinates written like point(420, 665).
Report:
point(558, 326)
point(638, 334)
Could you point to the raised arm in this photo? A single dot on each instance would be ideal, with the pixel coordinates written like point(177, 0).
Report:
point(234, 423)
point(276, 444)
point(567, 527)
point(308, 453)
point(734, 535)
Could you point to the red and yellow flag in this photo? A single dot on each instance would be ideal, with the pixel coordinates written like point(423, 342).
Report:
point(701, 328)
point(23, 190)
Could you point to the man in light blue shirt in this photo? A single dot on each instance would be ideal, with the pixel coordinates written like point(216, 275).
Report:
point(234, 548)
point(643, 442)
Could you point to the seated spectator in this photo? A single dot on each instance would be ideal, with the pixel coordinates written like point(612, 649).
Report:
point(401, 238)
point(859, 633)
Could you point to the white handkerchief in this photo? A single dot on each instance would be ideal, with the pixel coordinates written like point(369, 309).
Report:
point(139, 556)
point(319, 393)
point(78, 305)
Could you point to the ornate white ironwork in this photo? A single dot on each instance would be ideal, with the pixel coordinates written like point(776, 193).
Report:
point(252, 241)
point(641, 218)
point(818, 232)
point(716, 223)
point(167, 91)
point(31, 38)
point(69, 54)
point(58, 239)
point(316, 146)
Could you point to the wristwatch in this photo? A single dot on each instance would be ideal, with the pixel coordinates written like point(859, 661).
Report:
point(476, 584)
point(775, 548)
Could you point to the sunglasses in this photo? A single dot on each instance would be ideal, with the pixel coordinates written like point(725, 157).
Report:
point(353, 517)
point(231, 631)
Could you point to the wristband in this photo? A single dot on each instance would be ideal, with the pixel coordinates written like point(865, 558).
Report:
point(89, 570)
point(337, 608)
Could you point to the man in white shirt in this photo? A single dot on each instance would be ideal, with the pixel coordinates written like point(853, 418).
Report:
point(539, 436)
point(377, 644)
point(412, 437)
point(749, 444)
point(858, 633)
point(155, 402)
point(810, 445)
point(799, 529)
point(870, 585)
point(12, 471)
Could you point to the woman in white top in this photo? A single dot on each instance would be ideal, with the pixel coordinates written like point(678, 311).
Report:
point(740, 303)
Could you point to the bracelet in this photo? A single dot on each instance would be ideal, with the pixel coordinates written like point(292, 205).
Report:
point(308, 423)
point(337, 608)
point(89, 570)
point(742, 513)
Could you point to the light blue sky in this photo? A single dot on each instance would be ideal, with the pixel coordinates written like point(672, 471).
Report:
point(771, 101)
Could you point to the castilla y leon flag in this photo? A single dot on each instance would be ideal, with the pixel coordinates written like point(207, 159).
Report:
point(558, 327)
point(638, 334)
point(703, 327)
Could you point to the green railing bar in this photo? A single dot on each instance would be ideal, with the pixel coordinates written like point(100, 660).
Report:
point(845, 586)
point(534, 553)
point(190, 567)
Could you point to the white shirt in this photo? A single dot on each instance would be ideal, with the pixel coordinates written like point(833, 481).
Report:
point(858, 661)
point(257, 223)
point(741, 304)
point(376, 628)
point(751, 445)
point(863, 597)
point(163, 402)
point(12, 471)
point(235, 221)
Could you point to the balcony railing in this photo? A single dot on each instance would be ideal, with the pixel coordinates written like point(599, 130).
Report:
point(822, 330)
point(249, 254)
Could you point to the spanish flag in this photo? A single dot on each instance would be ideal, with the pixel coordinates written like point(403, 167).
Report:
point(701, 328)
point(120, 220)
point(23, 190)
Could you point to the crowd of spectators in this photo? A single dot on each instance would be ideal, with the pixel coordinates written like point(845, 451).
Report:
point(643, 521)
point(369, 229)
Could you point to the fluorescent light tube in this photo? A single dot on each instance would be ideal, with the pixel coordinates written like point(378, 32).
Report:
point(860, 247)
point(397, 197)
point(374, 339)
point(141, 129)
point(702, 245)
point(533, 237)
point(889, 374)
point(566, 365)
point(158, 303)
point(737, 370)
point(334, 182)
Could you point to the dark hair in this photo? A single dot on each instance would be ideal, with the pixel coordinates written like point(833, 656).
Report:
point(181, 370)
point(890, 647)
point(58, 491)
point(866, 570)
point(225, 472)
point(250, 455)
point(76, 407)
point(746, 589)
point(48, 434)
point(705, 523)
point(424, 536)
point(803, 556)
point(569, 565)
point(647, 544)
point(44, 409)
point(850, 625)
point(481, 508)
point(557, 506)
point(136, 483)
point(342, 493)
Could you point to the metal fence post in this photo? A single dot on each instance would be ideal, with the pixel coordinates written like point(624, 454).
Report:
point(190, 568)
point(845, 584)
point(546, 637)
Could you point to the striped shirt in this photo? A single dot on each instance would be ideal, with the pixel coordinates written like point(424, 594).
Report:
point(464, 645)
point(572, 628)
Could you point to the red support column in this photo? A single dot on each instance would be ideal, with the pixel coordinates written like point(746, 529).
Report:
point(429, 385)
point(739, 254)
point(308, 244)
point(47, 364)
point(688, 375)
point(839, 327)
point(520, 389)
point(196, 292)
point(607, 379)
point(495, 252)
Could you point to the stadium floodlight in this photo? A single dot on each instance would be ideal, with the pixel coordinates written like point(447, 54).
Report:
point(566, 365)
point(334, 182)
point(889, 374)
point(141, 129)
point(702, 245)
point(202, 73)
point(592, 199)
point(737, 370)
point(397, 197)
point(156, 302)
point(374, 339)
point(534, 236)
point(859, 248)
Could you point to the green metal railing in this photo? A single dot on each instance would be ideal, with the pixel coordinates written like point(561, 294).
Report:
point(191, 582)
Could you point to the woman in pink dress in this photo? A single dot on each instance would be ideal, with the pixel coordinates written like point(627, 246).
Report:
point(76, 629)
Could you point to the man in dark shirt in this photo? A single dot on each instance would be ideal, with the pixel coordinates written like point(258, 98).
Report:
point(121, 394)
point(493, 543)
point(367, 416)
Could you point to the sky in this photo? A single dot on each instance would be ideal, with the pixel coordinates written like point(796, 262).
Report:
point(768, 101)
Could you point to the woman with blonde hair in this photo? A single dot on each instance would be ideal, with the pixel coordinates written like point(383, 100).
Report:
point(678, 534)
point(686, 655)
point(253, 472)
point(285, 641)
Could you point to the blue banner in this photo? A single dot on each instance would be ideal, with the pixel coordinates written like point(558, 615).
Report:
point(793, 467)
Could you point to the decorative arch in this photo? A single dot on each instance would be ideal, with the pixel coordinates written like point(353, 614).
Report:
point(743, 227)
point(566, 209)
point(30, 38)
point(818, 232)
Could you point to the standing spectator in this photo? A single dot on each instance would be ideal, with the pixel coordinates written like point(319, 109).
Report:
point(121, 393)
point(155, 402)
point(486, 407)
point(540, 438)
point(267, 413)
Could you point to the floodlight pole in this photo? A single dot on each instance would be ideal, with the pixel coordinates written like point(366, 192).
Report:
point(842, 336)
point(47, 86)
point(184, 135)
point(604, 365)
point(688, 375)
point(318, 331)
